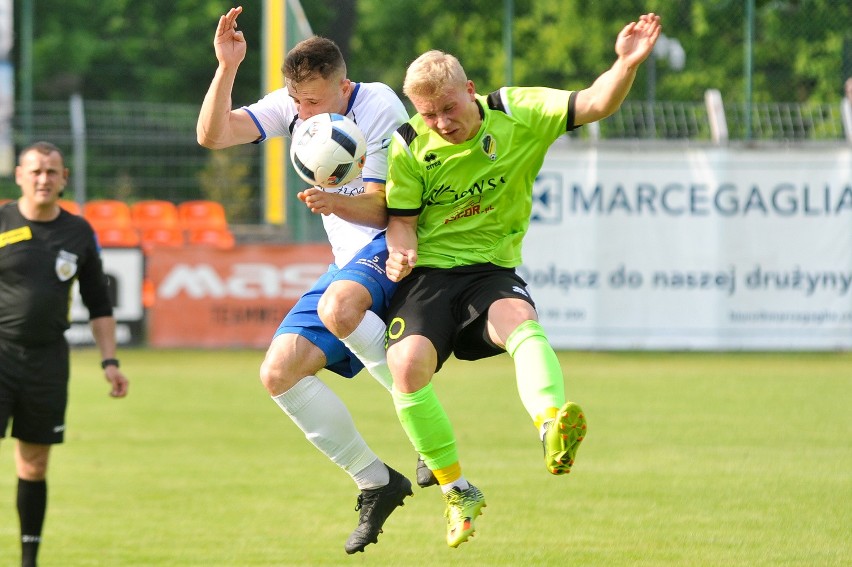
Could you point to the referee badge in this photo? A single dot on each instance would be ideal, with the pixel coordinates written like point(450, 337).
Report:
point(66, 265)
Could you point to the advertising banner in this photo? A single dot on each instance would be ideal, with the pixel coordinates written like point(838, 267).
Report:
point(693, 248)
point(124, 268)
point(228, 298)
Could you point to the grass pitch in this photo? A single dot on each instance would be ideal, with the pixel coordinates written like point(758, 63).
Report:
point(691, 459)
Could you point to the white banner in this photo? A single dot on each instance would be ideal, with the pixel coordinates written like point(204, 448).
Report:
point(125, 269)
point(706, 248)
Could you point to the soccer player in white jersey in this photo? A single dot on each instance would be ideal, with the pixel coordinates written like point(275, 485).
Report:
point(459, 194)
point(338, 324)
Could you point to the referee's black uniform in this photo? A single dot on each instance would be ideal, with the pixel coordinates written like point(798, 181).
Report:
point(39, 262)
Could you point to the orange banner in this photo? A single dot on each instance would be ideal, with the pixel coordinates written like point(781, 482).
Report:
point(228, 298)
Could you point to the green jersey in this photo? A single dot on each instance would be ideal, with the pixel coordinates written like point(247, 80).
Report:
point(474, 199)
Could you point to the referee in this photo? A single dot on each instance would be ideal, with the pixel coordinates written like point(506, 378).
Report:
point(43, 250)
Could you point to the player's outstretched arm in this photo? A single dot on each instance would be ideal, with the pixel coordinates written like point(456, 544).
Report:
point(633, 45)
point(218, 126)
point(367, 209)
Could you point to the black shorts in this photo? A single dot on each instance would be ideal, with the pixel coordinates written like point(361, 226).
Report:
point(34, 391)
point(450, 308)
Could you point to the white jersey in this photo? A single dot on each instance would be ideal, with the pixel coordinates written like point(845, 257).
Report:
point(378, 112)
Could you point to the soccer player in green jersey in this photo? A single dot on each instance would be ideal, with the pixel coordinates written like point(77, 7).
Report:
point(459, 194)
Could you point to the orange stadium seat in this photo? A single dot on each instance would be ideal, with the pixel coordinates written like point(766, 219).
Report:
point(154, 214)
point(202, 214)
point(149, 293)
point(169, 237)
point(71, 206)
point(107, 213)
point(117, 237)
point(221, 238)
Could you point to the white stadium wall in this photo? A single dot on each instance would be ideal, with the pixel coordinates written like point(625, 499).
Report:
point(693, 248)
point(125, 269)
point(629, 248)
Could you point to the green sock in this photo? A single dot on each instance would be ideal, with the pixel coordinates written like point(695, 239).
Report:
point(537, 371)
point(427, 426)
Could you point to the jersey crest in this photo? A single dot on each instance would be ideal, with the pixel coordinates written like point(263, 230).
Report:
point(489, 146)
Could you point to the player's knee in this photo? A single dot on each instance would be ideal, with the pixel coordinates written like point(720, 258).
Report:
point(290, 358)
point(274, 374)
point(33, 472)
point(412, 362)
point(326, 308)
point(267, 374)
point(31, 462)
point(339, 313)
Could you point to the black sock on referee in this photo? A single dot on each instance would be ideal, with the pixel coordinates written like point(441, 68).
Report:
point(32, 505)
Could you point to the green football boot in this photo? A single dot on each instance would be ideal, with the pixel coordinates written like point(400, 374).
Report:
point(463, 506)
point(563, 437)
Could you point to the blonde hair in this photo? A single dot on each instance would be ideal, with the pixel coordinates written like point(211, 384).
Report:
point(432, 74)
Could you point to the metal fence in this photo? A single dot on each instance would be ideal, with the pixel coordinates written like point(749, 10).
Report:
point(770, 122)
point(136, 151)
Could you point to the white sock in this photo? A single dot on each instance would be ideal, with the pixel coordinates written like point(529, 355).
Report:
point(542, 431)
point(367, 342)
point(461, 483)
point(326, 422)
point(375, 475)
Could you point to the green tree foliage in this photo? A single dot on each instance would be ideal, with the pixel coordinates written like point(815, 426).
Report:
point(161, 50)
point(804, 65)
point(227, 178)
point(798, 49)
point(156, 50)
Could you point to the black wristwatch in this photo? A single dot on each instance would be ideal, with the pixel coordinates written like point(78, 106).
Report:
point(109, 362)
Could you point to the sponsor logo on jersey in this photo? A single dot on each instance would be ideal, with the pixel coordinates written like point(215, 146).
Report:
point(66, 265)
point(446, 195)
point(430, 161)
point(347, 190)
point(469, 208)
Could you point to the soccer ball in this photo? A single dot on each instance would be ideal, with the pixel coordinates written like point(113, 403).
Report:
point(328, 150)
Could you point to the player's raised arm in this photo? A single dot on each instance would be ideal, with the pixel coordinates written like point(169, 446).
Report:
point(633, 45)
point(229, 43)
point(218, 126)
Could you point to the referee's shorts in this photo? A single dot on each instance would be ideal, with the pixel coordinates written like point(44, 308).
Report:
point(34, 391)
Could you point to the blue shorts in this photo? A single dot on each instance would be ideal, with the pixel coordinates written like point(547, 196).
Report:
point(366, 268)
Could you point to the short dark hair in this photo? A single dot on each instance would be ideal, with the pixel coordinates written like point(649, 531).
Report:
point(313, 56)
point(41, 147)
